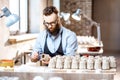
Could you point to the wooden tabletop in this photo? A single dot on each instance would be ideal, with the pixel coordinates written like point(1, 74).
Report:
point(27, 72)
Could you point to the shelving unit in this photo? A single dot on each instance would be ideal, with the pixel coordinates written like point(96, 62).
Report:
point(89, 45)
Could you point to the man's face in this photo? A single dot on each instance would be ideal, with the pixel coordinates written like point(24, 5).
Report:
point(51, 23)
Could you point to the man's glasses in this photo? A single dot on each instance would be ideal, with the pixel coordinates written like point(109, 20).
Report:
point(51, 23)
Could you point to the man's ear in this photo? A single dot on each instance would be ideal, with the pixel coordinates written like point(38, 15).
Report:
point(59, 21)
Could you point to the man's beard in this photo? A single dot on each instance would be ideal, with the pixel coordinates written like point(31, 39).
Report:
point(55, 31)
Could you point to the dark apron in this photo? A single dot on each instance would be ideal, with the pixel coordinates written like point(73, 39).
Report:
point(58, 52)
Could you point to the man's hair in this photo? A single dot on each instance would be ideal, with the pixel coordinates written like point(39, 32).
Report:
point(49, 10)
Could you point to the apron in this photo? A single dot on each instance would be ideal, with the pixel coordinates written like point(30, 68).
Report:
point(59, 50)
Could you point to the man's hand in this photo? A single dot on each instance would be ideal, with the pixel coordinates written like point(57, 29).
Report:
point(45, 59)
point(34, 57)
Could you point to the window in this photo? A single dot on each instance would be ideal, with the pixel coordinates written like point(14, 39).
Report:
point(19, 7)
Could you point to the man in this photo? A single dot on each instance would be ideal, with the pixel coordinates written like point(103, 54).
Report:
point(56, 39)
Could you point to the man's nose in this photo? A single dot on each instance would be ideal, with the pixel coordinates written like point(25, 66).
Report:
point(49, 26)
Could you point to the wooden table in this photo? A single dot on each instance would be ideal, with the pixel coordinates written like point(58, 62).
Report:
point(28, 73)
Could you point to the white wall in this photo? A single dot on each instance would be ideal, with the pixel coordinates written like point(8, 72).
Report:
point(35, 15)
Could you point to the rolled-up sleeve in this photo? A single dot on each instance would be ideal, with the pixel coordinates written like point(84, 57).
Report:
point(39, 43)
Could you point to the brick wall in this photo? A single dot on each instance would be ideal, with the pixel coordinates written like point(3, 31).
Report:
point(82, 27)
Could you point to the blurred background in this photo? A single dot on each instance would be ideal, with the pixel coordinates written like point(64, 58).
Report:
point(105, 12)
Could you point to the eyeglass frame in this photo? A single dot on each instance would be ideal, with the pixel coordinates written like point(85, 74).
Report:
point(51, 23)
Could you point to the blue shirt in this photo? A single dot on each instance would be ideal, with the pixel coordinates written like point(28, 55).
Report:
point(69, 42)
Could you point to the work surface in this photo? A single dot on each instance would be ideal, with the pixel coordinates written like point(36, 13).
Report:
point(26, 72)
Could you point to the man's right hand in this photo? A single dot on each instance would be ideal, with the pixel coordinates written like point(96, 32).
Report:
point(34, 57)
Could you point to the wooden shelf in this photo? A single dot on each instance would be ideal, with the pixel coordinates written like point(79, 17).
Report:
point(21, 38)
point(85, 51)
